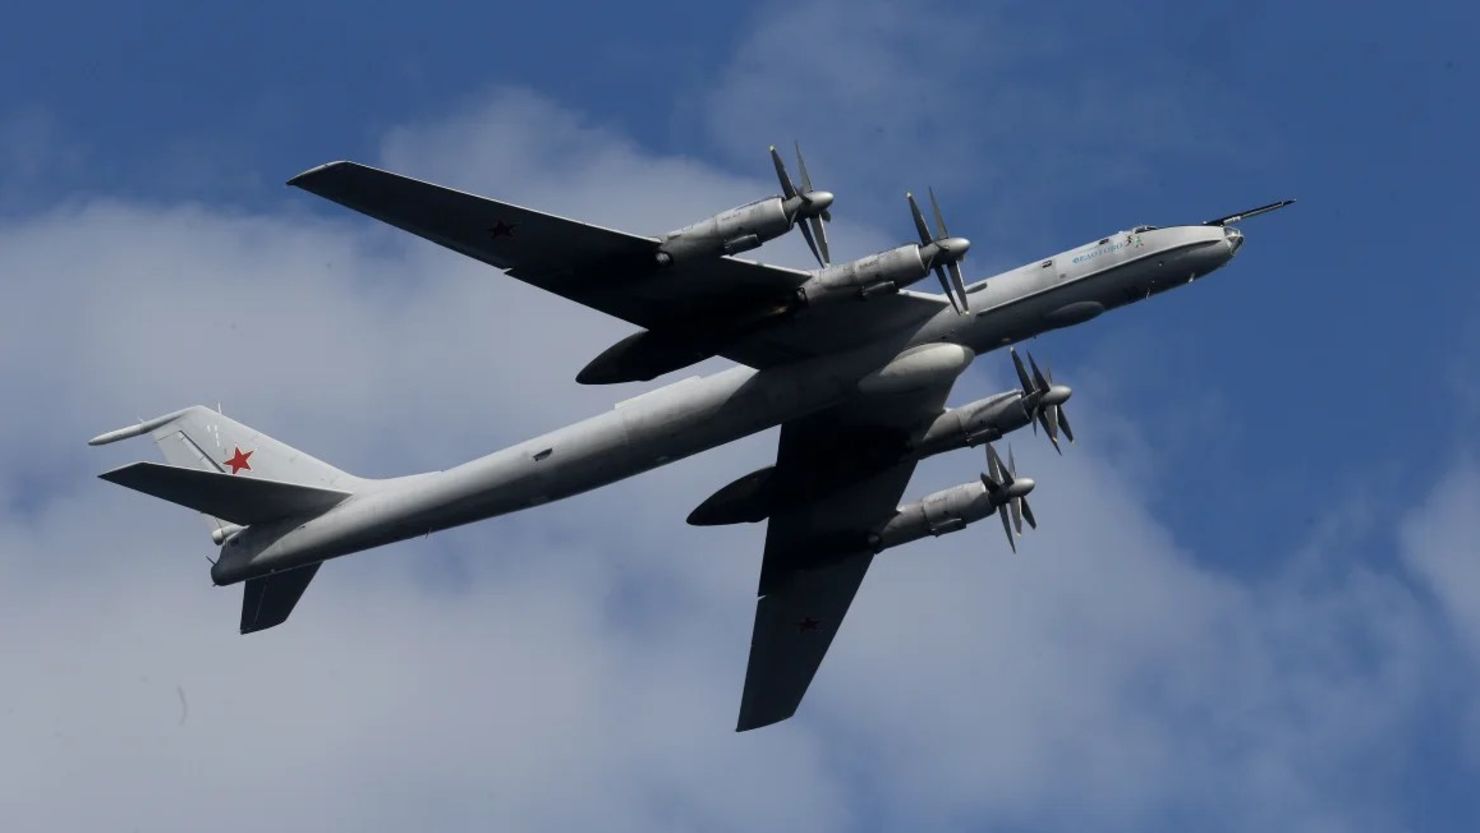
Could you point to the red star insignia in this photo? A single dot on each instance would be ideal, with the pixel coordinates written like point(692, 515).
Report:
point(238, 460)
point(501, 229)
point(808, 624)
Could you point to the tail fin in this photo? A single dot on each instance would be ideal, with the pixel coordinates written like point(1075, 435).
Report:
point(206, 440)
point(236, 477)
point(201, 438)
point(267, 600)
point(238, 500)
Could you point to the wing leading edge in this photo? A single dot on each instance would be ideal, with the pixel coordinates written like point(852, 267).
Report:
point(686, 304)
point(608, 270)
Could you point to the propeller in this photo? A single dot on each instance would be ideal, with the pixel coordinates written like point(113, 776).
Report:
point(1044, 400)
point(942, 253)
point(808, 208)
point(1010, 493)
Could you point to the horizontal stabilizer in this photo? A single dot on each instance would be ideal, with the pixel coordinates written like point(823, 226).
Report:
point(231, 498)
point(267, 601)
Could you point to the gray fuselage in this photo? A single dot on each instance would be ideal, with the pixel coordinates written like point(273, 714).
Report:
point(699, 413)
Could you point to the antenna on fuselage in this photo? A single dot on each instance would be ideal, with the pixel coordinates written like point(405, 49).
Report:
point(1252, 212)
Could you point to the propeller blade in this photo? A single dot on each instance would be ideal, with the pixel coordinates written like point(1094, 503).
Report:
point(820, 229)
point(1037, 374)
point(1028, 513)
point(1022, 372)
point(1048, 428)
point(940, 220)
point(787, 189)
point(1017, 514)
point(1011, 465)
point(919, 220)
point(994, 465)
point(960, 284)
point(1052, 412)
point(805, 226)
point(1002, 513)
point(1064, 422)
point(945, 287)
point(802, 166)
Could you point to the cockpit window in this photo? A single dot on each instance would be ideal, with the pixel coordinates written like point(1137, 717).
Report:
point(1139, 229)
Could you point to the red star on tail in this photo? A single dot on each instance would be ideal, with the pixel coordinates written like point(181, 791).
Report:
point(238, 461)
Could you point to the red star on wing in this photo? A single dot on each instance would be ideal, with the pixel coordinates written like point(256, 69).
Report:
point(808, 624)
point(238, 460)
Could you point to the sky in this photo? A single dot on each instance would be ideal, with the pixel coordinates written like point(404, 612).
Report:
point(1254, 597)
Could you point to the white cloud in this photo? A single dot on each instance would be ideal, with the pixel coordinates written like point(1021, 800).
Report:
point(1441, 546)
point(993, 110)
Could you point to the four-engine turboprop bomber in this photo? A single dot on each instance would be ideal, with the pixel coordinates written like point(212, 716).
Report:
point(854, 367)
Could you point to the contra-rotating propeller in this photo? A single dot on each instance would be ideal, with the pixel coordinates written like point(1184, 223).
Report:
point(807, 209)
point(1044, 400)
point(942, 252)
point(1010, 492)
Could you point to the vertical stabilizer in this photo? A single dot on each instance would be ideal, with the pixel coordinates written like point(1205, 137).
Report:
point(237, 477)
point(200, 438)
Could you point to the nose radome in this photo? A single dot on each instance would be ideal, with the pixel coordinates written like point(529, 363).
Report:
point(1235, 239)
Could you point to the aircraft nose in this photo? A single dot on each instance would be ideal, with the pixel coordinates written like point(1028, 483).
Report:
point(1235, 239)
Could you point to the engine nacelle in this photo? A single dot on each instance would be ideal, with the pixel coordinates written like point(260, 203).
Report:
point(941, 513)
point(979, 422)
point(878, 274)
point(644, 356)
point(737, 230)
point(926, 366)
point(746, 500)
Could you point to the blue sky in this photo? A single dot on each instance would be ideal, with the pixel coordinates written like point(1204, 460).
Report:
point(1287, 437)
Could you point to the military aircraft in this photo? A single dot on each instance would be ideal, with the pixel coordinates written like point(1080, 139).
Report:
point(853, 365)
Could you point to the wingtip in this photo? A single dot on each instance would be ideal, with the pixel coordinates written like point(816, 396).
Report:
point(750, 720)
point(297, 181)
point(744, 726)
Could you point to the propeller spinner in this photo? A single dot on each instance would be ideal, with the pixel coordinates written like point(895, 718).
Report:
point(942, 253)
point(806, 208)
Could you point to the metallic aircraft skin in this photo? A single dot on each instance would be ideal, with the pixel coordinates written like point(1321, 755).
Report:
point(699, 413)
point(854, 368)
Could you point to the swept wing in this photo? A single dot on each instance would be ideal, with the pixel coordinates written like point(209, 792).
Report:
point(617, 272)
point(817, 549)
